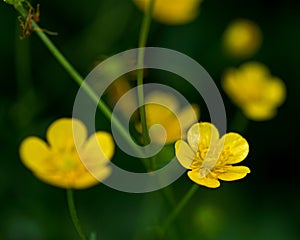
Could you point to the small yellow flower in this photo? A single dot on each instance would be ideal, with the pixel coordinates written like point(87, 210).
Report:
point(254, 90)
point(209, 157)
point(59, 163)
point(242, 38)
point(174, 119)
point(172, 11)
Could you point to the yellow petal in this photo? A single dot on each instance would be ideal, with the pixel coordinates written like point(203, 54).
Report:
point(202, 133)
point(184, 154)
point(35, 154)
point(172, 11)
point(89, 180)
point(168, 100)
point(97, 151)
point(235, 148)
point(234, 173)
point(207, 181)
point(78, 180)
point(188, 116)
point(168, 116)
point(259, 112)
point(275, 92)
point(176, 125)
point(56, 179)
point(254, 71)
point(62, 132)
point(157, 114)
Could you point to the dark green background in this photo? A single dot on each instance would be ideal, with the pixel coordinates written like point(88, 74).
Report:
point(35, 90)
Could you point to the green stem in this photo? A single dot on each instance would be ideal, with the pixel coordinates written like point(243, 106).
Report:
point(140, 74)
point(22, 62)
point(239, 122)
point(73, 213)
point(178, 209)
point(77, 77)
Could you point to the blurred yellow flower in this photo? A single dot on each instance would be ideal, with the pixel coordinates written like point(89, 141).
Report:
point(209, 157)
point(242, 38)
point(116, 90)
point(172, 11)
point(254, 90)
point(60, 162)
point(174, 119)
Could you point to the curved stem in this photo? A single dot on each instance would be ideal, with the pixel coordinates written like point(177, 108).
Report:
point(77, 77)
point(178, 209)
point(73, 214)
point(140, 74)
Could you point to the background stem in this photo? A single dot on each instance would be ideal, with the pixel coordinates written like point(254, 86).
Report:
point(239, 122)
point(78, 78)
point(73, 214)
point(178, 209)
point(140, 74)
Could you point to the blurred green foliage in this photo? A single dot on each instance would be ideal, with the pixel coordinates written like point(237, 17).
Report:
point(35, 90)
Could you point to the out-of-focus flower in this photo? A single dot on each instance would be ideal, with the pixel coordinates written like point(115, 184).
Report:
point(117, 90)
point(254, 90)
point(60, 161)
point(175, 119)
point(209, 157)
point(242, 38)
point(172, 11)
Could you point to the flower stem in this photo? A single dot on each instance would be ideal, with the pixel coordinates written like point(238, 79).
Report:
point(239, 122)
point(73, 214)
point(140, 74)
point(178, 209)
point(76, 76)
point(22, 63)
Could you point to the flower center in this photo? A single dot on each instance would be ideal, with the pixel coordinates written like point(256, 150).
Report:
point(210, 160)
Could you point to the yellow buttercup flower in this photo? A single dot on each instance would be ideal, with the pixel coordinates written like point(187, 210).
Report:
point(242, 38)
point(211, 158)
point(172, 11)
point(254, 90)
point(62, 163)
point(175, 119)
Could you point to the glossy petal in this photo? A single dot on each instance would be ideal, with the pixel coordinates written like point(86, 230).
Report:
point(35, 154)
point(97, 151)
point(202, 133)
point(234, 173)
point(61, 134)
point(236, 148)
point(184, 154)
point(207, 181)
